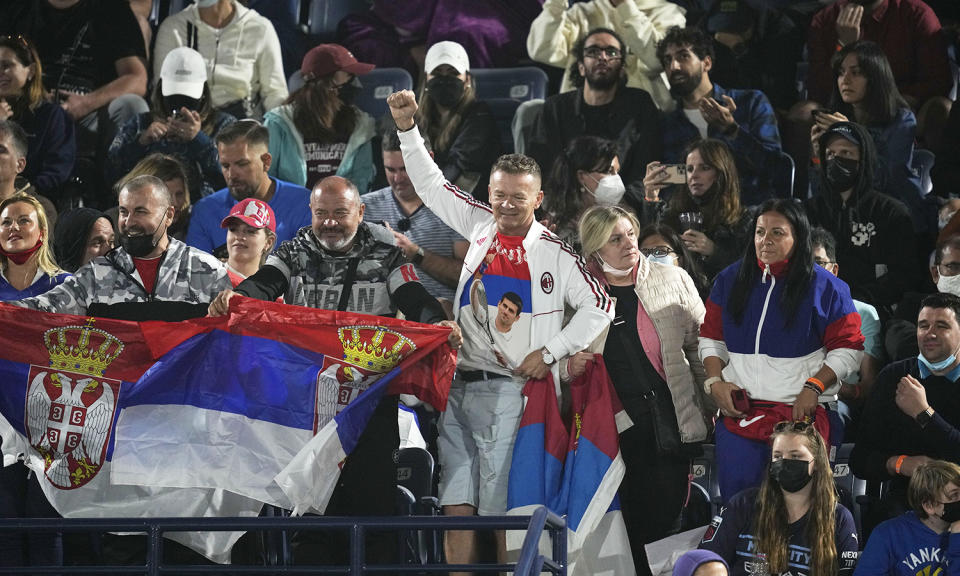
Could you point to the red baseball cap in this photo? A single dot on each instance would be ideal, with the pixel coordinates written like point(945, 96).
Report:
point(252, 212)
point(326, 59)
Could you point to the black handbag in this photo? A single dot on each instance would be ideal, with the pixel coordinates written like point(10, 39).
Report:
point(662, 415)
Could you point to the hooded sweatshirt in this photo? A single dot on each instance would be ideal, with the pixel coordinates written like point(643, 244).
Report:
point(874, 232)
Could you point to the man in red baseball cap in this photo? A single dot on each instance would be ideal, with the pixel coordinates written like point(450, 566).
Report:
point(319, 132)
point(251, 235)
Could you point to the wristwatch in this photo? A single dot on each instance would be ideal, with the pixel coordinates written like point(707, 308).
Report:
point(548, 358)
point(418, 256)
point(924, 417)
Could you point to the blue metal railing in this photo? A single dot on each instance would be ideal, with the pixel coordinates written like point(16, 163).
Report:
point(529, 563)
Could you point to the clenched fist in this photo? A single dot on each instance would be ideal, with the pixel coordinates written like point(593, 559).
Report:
point(403, 106)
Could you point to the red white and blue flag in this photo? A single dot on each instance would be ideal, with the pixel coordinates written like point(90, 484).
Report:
point(207, 417)
point(574, 469)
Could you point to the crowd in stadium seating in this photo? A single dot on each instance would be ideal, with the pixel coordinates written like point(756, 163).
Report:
point(768, 189)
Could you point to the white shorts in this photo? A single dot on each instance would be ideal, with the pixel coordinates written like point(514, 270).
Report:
point(477, 433)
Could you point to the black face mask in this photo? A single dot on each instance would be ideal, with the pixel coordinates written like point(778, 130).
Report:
point(142, 244)
point(175, 102)
point(951, 512)
point(348, 92)
point(791, 475)
point(446, 90)
point(841, 173)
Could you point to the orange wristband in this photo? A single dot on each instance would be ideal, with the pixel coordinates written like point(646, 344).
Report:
point(896, 467)
point(816, 382)
point(839, 46)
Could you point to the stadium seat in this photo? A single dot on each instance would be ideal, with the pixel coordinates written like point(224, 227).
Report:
point(785, 172)
point(415, 475)
point(705, 477)
point(324, 16)
point(294, 82)
point(503, 89)
point(850, 489)
point(377, 85)
point(922, 162)
point(954, 70)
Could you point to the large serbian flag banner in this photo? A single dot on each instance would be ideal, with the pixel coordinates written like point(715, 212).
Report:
point(202, 417)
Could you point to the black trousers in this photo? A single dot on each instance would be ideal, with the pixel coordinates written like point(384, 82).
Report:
point(367, 487)
point(653, 491)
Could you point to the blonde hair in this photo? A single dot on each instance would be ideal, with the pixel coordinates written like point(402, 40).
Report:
point(928, 482)
point(45, 260)
point(597, 223)
point(771, 524)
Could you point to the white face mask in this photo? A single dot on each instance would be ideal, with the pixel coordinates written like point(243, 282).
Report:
point(949, 284)
point(608, 269)
point(610, 190)
point(206, 3)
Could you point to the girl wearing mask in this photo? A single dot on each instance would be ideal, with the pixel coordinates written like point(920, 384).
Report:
point(318, 132)
point(588, 173)
point(50, 132)
point(28, 269)
point(464, 134)
point(712, 191)
point(650, 352)
point(792, 523)
point(181, 123)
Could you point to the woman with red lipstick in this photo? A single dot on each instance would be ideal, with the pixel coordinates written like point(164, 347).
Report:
point(779, 335)
point(712, 191)
point(28, 268)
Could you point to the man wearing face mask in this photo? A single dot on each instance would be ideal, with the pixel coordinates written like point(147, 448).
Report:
point(150, 276)
point(902, 546)
point(319, 132)
point(875, 240)
point(913, 413)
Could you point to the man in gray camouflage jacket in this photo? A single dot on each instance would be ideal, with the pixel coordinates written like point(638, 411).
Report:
point(149, 276)
point(343, 263)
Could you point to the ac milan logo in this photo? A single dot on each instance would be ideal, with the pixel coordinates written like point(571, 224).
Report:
point(546, 283)
point(69, 417)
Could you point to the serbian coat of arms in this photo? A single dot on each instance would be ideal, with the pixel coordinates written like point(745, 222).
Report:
point(70, 406)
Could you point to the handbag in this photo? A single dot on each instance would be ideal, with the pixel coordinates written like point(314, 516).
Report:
point(663, 418)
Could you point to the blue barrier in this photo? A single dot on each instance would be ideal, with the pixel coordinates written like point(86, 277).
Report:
point(529, 563)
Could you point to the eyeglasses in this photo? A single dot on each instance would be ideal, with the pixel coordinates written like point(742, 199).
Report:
point(823, 263)
point(610, 52)
point(951, 269)
point(658, 251)
point(403, 224)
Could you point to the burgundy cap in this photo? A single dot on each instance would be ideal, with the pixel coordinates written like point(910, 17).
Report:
point(252, 212)
point(326, 59)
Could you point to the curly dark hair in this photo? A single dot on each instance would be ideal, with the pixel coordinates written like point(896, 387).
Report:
point(699, 42)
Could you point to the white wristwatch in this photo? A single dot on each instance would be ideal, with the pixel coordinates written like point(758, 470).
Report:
point(548, 358)
point(709, 382)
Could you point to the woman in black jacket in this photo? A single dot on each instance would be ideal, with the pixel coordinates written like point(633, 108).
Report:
point(464, 134)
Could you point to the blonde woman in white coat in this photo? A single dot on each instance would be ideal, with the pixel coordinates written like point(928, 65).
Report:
point(651, 346)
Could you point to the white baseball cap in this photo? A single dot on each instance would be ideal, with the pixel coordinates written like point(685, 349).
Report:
point(183, 72)
point(447, 52)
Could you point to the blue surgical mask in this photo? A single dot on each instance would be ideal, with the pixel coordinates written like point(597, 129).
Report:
point(206, 3)
point(666, 259)
point(938, 367)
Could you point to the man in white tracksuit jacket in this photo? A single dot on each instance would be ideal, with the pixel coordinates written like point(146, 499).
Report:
point(509, 252)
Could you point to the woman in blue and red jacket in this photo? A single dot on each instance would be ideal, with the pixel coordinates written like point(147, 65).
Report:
point(782, 330)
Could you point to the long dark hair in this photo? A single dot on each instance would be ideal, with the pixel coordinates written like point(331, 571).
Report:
point(208, 114)
point(443, 132)
point(563, 200)
point(319, 114)
point(722, 208)
point(882, 99)
point(799, 272)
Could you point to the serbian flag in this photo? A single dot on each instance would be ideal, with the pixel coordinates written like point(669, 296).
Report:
point(574, 470)
point(199, 418)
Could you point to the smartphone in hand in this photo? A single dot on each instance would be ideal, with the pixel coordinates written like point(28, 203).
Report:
point(676, 174)
point(741, 402)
